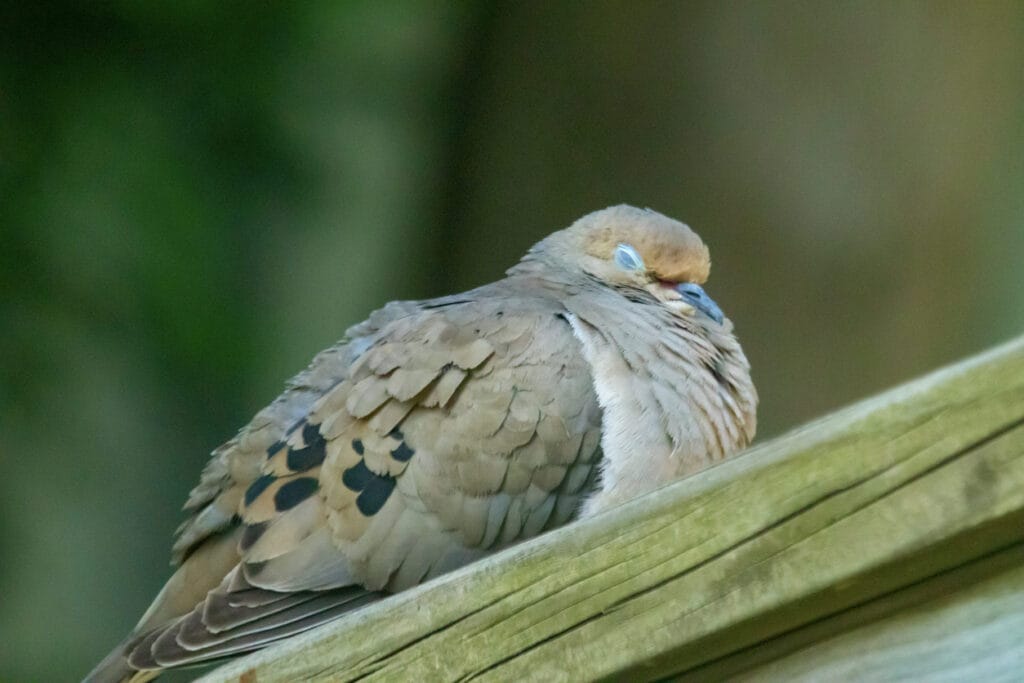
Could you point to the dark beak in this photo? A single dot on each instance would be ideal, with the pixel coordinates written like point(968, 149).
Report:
point(695, 295)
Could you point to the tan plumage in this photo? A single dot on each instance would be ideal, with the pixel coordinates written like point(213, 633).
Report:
point(441, 430)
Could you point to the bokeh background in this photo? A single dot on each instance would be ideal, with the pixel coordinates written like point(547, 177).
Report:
point(196, 197)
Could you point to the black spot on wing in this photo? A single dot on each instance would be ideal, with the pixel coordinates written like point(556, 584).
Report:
point(310, 456)
point(396, 433)
point(258, 487)
point(357, 446)
point(311, 433)
point(376, 493)
point(357, 476)
point(306, 458)
point(251, 534)
point(402, 453)
point(294, 492)
point(274, 449)
point(374, 489)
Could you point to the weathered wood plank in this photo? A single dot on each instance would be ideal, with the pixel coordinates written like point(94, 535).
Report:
point(876, 497)
point(966, 624)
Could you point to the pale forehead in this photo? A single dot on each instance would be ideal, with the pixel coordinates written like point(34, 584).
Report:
point(669, 248)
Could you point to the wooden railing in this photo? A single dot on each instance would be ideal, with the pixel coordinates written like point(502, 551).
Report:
point(885, 540)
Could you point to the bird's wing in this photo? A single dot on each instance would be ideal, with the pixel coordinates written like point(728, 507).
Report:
point(213, 504)
point(461, 427)
point(206, 543)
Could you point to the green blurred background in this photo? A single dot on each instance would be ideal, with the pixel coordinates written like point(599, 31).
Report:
point(196, 197)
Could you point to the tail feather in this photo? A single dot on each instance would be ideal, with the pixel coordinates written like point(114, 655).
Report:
point(115, 667)
point(190, 640)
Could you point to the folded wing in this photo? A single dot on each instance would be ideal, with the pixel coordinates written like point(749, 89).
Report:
point(454, 429)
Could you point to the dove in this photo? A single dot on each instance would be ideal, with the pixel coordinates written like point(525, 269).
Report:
point(439, 431)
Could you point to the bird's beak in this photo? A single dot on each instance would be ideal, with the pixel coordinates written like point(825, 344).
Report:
point(695, 295)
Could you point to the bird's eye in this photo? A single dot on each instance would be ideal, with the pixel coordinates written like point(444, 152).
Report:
point(627, 258)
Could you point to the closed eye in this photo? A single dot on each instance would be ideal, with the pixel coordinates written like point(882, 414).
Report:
point(627, 258)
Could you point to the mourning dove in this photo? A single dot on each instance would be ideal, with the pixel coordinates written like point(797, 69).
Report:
point(439, 431)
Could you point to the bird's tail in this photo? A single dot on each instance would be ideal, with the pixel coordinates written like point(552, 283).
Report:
point(115, 668)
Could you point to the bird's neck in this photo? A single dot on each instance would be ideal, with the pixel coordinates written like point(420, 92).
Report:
point(675, 399)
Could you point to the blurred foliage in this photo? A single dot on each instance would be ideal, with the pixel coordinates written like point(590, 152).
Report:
point(196, 197)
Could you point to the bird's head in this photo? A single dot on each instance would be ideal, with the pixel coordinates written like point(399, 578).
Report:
point(633, 249)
